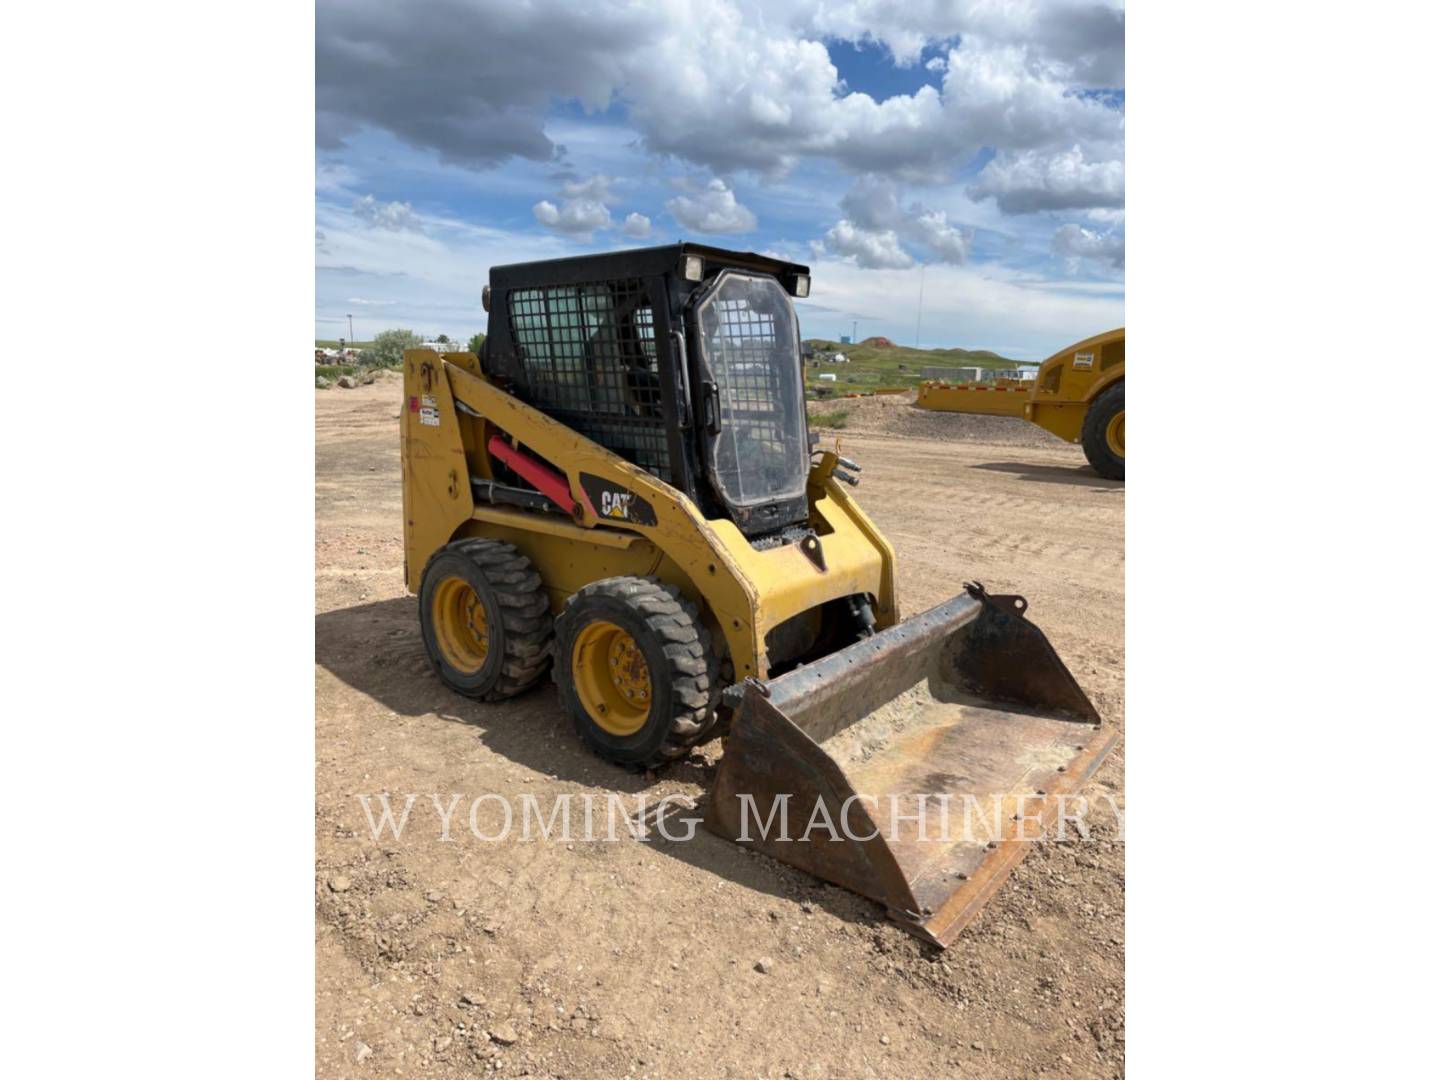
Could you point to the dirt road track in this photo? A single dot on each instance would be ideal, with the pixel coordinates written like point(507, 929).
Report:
point(639, 959)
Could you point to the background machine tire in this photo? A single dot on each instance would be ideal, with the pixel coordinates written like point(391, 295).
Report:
point(635, 669)
point(1103, 435)
point(485, 619)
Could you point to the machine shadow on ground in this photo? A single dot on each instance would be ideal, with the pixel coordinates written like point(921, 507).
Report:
point(1077, 475)
point(375, 648)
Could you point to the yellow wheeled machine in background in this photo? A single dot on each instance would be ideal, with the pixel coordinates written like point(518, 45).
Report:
point(1078, 394)
point(622, 490)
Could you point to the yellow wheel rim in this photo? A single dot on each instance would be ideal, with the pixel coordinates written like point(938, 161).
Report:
point(458, 615)
point(1115, 434)
point(611, 678)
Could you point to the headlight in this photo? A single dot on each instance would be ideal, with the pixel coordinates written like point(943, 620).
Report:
point(694, 268)
point(485, 297)
point(802, 285)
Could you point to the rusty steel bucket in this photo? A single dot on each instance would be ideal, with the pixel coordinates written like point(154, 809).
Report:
point(967, 705)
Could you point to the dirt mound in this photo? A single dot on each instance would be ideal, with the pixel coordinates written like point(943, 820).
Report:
point(896, 414)
point(878, 343)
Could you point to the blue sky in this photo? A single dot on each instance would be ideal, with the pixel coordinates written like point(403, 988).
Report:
point(976, 147)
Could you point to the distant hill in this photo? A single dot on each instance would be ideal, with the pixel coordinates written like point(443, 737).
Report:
point(979, 354)
point(877, 362)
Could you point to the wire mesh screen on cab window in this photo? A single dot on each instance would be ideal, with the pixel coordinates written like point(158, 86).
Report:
point(752, 352)
point(587, 357)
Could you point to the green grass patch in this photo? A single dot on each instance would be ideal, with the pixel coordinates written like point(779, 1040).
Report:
point(891, 368)
point(833, 419)
point(334, 371)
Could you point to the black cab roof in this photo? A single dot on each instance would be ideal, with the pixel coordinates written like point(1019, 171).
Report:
point(633, 262)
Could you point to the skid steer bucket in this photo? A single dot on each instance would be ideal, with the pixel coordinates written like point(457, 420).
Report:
point(915, 766)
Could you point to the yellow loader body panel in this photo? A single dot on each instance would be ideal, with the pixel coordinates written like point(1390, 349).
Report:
point(746, 592)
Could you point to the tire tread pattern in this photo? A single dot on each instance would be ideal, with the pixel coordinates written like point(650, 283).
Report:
point(693, 666)
point(1092, 433)
point(527, 628)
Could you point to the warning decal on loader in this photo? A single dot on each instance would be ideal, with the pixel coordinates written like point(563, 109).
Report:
point(1084, 360)
point(430, 417)
point(610, 500)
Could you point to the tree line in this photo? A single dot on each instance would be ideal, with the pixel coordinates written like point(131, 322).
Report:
point(388, 347)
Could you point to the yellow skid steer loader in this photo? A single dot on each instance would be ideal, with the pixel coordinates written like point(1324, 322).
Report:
point(622, 489)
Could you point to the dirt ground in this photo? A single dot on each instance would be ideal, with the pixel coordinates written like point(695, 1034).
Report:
point(641, 959)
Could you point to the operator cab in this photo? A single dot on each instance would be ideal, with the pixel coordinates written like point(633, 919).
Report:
point(683, 359)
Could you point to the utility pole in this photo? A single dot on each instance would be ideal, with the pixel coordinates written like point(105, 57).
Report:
point(854, 331)
point(352, 326)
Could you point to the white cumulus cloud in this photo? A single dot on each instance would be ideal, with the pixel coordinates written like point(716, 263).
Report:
point(713, 209)
point(1032, 180)
point(870, 248)
point(595, 188)
point(1075, 242)
point(395, 216)
point(1083, 41)
point(637, 226)
point(934, 230)
point(576, 218)
point(876, 223)
point(724, 84)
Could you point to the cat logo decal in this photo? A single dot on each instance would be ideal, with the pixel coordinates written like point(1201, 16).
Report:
point(610, 500)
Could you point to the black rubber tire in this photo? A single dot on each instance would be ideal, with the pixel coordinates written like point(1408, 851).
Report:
point(517, 617)
point(684, 670)
point(1102, 410)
